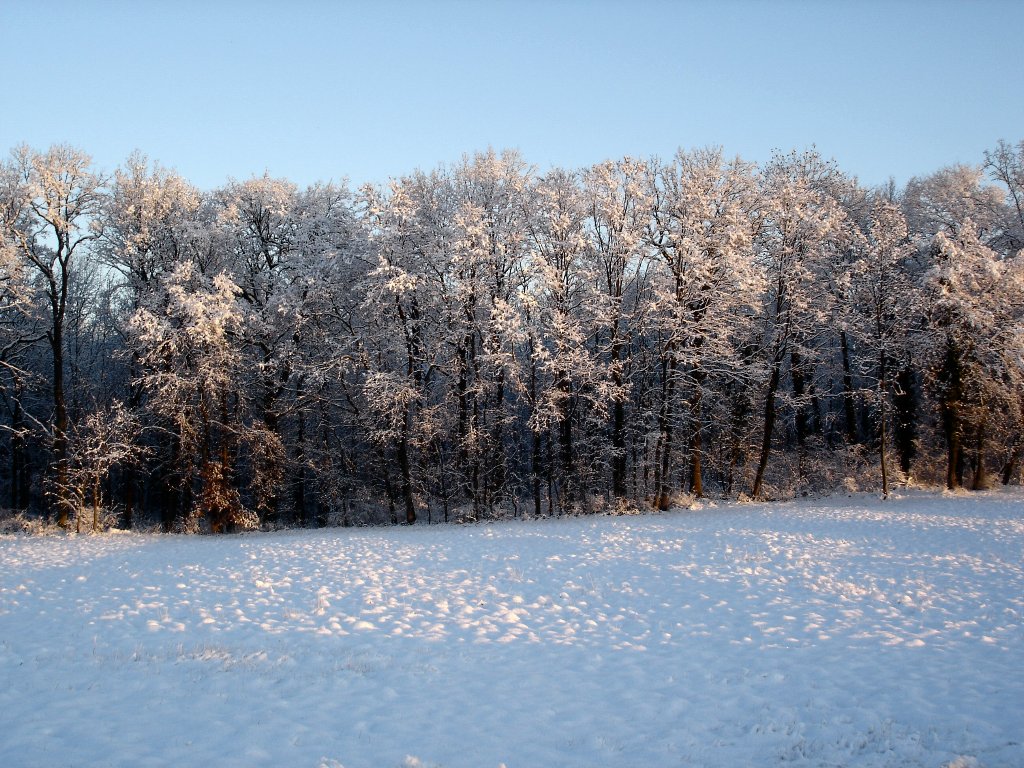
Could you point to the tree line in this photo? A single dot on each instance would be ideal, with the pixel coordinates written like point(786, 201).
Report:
point(489, 340)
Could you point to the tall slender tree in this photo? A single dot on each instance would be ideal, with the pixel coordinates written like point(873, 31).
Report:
point(50, 220)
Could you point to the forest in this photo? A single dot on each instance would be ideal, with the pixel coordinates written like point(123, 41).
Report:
point(491, 340)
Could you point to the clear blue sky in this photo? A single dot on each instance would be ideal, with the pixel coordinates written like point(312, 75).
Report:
point(321, 90)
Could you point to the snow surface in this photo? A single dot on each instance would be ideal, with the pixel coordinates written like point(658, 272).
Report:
point(849, 632)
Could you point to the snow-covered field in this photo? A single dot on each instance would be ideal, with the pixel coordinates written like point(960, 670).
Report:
point(846, 632)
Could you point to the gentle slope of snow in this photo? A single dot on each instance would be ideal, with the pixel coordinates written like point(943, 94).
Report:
point(827, 633)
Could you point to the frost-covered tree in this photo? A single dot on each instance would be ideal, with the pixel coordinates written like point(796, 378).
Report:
point(566, 387)
point(313, 307)
point(974, 309)
point(50, 218)
point(803, 229)
point(1005, 165)
point(489, 248)
point(969, 279)
point(884, 296)
point(149, 217)
point(106, 440)
point(192, 375)
point(401, 302)
point(20, 329)
point(255, 233)
point(618, 198)
point(706, 286)
point(153, 221)
point(945, 200)
point(482, 335)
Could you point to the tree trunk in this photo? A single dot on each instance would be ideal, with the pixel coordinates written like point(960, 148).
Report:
point(696, 442)
point(130, 476)
point(299, 485)
point(618, 428)
point(882, 394)
point(96, 503)
point(951, 424)
point(19, 461)
point(442, 477)
point(663, 466)
point(60, 427)
point(170, 509)
point(389, 489)
point(272, 386)
point(736, 392)
point(1011, 466)
point(550, 472)
point(404, 465)
point(950, 376)
point(849, 413)
point(769, 427)
point(980, 476)
point(128, 513)
point(565, 440)
point(905, 412)
point(800, 417)
point(535, 461)
point(499, 463)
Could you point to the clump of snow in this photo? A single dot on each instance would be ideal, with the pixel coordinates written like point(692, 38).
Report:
point(846, 631)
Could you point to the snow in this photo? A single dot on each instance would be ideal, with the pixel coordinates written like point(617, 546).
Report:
point(832, 632)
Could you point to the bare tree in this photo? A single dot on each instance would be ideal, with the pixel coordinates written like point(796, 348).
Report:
point(55, 206)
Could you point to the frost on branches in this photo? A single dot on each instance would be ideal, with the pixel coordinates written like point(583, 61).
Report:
point(486, 339)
